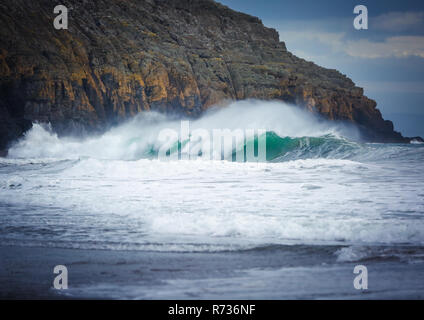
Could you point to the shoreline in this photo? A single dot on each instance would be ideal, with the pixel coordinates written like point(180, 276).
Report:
point(27, 273)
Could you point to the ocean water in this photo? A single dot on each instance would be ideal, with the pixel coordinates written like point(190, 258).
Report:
point(294, 226)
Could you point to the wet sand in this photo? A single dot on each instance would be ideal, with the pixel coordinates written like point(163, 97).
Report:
point(27, 273)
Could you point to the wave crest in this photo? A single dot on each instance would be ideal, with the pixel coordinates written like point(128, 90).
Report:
point(290, 133)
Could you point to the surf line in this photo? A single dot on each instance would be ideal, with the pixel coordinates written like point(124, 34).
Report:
point(180, 310)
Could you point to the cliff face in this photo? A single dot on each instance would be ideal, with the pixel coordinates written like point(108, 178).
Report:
point(120, 57)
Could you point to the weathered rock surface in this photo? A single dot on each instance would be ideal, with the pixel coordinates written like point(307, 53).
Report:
point(120, 57)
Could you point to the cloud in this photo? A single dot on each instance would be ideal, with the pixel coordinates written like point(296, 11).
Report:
point(309, 42)
point(330, 39)
point(399, 47)
point(398, 21)
point(393, 86)
point(313, 45)
point(390, 35)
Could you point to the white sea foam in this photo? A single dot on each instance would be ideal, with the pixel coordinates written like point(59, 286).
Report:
point(224, 204)
point(416, 142)
point(359, 253)
point(101, 200)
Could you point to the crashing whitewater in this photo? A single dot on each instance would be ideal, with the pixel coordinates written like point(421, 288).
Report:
point(287, 131)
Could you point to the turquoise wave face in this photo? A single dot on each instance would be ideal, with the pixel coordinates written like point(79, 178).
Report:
point(282, 149)
point(278, 149)
point(287, 148)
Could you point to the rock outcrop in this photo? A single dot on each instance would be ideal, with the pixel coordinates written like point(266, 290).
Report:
point(120, 57)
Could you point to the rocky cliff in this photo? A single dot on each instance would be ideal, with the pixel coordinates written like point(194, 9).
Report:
point(120, 57)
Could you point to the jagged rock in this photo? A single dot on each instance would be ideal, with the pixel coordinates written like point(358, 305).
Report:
point(121, 57)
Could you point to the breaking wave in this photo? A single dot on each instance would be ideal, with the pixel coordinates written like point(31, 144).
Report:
point(290, 133)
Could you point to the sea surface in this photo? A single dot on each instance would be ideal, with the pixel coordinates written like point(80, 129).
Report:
point(291, 227)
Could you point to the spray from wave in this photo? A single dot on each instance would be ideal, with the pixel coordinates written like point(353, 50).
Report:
point(290, 133)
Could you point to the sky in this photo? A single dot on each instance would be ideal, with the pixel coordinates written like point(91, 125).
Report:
point(387, 59)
